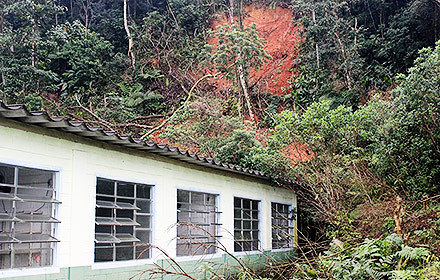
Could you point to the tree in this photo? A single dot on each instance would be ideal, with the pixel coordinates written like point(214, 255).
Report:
point(407, 150)
point(237, 51)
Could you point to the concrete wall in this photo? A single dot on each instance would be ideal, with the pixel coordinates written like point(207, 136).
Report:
point(79, 161)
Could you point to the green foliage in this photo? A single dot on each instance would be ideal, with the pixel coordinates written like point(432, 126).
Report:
point(354, 47)
point(410, 137)
point(203, 125)
point(378, 259)
point(238, 48)
point(78, 57)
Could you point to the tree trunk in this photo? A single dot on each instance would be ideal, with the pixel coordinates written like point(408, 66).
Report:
point(245, 92)
point(1, 30)
point(316, 44)
point(240, 15)
point(231, 11)
point(398, 215)
point(130, 39)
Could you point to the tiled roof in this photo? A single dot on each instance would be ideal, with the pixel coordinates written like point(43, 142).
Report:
point(40, 118)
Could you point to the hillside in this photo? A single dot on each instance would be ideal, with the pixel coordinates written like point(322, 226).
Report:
point(342, 96)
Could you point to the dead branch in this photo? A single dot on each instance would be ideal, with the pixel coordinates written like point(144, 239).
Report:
point(188, 98)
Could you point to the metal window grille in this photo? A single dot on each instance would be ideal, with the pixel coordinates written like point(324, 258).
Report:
point(198, 222)
point(246, 224)
point(282, 228)
point(28, 208)
point(122, 221)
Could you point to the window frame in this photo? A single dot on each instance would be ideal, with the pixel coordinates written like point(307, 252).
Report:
point(260, 224)
point(291, 209)
point(56, 214)
point(135, 261)
point(219, 223)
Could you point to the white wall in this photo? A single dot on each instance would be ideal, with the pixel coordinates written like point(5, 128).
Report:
point(80, 161)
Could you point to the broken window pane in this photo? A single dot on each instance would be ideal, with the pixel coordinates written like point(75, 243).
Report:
point(28, 204)
point(197, 216)
point(281, 226)
point(123, 212)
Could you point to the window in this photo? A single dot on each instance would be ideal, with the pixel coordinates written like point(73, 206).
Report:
point(27, 217)
point(281, 226)
point(246, 224)
point(123, 221)
point(197, 228)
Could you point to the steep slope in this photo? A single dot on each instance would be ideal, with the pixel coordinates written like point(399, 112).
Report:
point(282, 37)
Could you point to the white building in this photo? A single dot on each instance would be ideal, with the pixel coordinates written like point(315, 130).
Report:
point(77, 202)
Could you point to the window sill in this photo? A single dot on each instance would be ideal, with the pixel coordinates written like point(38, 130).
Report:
point(283, 249)
point(198, 257)
point(119, 264)
point(29, 271)
point(245, 253)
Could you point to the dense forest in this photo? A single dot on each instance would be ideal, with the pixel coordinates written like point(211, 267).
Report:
point(355, 117)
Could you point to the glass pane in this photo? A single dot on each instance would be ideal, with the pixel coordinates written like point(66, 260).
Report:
point(104, 212)
point(105, 204)
point(35, 178)
point(35, 238)
point(143, 236)
point(246, 225)
point(105, 238)
point(144, 221)
point(182, 196)
point(237, 214)
point(36, 218)
point(5, 260)
point(144, 206)
point(6, 175)
point(105, 187)
point(237, 224)
point(103, 254)
point(41, 258)
point(125, 214)
point(105, 221)
point(210, 199)
point(142, 252)
point(237, 202)
point(238, 235)
point(125, 189)
point(246, 214)
point(21, 260)
point(143, 191)
point(126, 222)
point(126, 237)
point(254, 245)
point(255, 204)
point(246, 204)
point(254, 214)
point(127, 205)
point(124, 229)
point(255, 225)
point(237, 247)
point(197, 198)
point(247, 235)
point(103, 229)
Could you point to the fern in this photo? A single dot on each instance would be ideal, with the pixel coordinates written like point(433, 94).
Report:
point(404, 275)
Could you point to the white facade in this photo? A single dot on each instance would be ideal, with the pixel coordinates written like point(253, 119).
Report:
point(79, 161)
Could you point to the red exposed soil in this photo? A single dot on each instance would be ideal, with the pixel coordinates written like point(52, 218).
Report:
point(282, 38)
point(297, 152)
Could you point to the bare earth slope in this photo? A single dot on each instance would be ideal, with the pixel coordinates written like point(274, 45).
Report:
point(282, 38)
